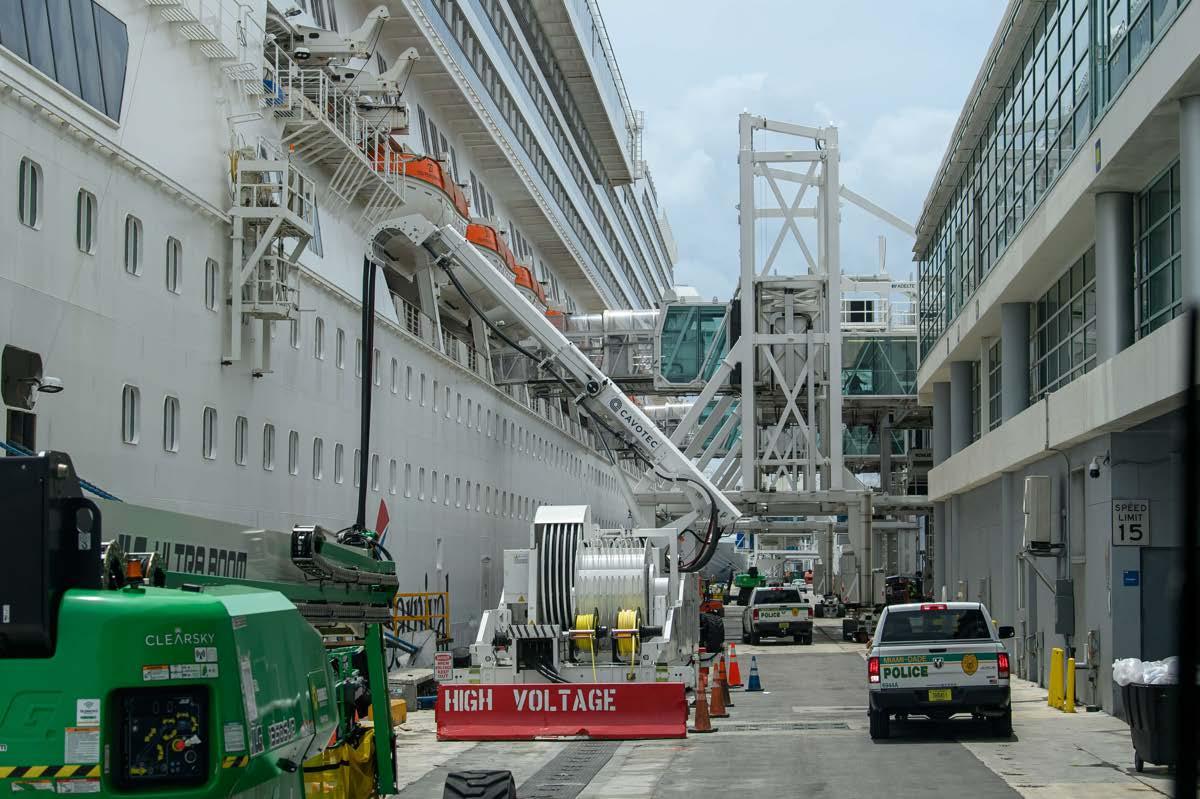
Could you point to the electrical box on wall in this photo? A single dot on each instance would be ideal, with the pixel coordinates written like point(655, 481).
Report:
point(1036, 507)
point(1064, 607)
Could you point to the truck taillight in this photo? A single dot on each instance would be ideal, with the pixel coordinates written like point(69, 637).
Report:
point(873, 669)
point(810, 612)
point(934, 606)
point(754, 615)
point(1002, 663)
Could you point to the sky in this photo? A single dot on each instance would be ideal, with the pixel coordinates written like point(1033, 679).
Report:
point(892, 75)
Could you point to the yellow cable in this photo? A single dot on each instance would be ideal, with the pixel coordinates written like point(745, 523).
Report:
point(587, 621)
point(627, 645)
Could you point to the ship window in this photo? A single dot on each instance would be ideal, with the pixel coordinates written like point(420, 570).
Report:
point(174, 258)
point(338, 452)
point(77, 43)
point(293, 453)
point(133, 245)
point(357, 467)
point(374, 472)
point(469, 413)
point(435, 395)
point(408, 382)
point(424, 132)
point(433, 487)
point(85, 221)
point(319, 339)
point(447, 402)
point(478, 504)
point(340, 353)
point(212, 271)
point(358, 357)
point(395, 376)
point(489, 422)
point(318, 459)
point(422, 389)
point(294, 333)
point(324, 14)
point(487, 497)
point(131, 413)
point(29, 192)
point(375, 366)
point(421, 484)
point(241, 436)
point(408, 479)
point(209, 434)
point(458, 492)
point(392, 476)
point(171, 424)
point(269, 447)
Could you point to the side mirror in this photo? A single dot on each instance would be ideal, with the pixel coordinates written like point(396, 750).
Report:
point(1008, 632)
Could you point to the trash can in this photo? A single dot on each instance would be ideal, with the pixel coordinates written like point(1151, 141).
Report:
point(1150, 712)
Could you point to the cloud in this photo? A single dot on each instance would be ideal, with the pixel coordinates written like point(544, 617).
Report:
point(904, 146)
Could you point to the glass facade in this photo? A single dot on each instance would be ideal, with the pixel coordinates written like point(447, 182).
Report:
point(588, 178)
point(1031, 133)
point(976, 400)
point(1062, 341)
point(861, 439)
point(1127, 29)
point(77, 43)
point(693, 342)
point(879, 366)
point(1158, 258)
point(994, 375)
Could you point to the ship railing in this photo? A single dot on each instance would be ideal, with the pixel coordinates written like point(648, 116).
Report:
point(273, 289)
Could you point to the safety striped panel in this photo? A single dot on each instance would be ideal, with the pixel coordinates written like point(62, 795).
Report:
point(235, 761)
point(533, 631)
point(30, 772)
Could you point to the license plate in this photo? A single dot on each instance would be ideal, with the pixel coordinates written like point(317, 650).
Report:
point(941, 695)
point(783, 626)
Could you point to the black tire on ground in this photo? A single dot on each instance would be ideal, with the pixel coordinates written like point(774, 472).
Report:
point(1002, 725)
point(1138, 763)
point(880, 724)
point(808, 640)
point(745, 637)
point(798, 638)
point(755, 639)
point(712, 632)
point(479, 785)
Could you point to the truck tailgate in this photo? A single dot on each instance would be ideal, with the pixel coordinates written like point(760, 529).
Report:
point(972, 663)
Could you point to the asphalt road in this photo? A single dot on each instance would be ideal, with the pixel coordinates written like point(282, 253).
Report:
point(805, 734)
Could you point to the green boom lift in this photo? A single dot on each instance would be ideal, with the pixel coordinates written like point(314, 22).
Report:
point(151, 654)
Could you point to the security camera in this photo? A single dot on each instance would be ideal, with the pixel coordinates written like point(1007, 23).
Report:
point(1094, 468)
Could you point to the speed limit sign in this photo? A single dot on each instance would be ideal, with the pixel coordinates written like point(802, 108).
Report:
point(1131, 522)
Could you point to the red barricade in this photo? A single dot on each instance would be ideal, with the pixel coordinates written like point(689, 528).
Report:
point(513, 712)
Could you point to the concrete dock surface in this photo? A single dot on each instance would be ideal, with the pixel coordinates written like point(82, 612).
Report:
point(806, 735)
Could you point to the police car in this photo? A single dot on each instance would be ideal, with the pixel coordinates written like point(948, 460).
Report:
point(938, 660)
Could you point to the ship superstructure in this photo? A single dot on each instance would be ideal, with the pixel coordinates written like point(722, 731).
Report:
point(195, 183)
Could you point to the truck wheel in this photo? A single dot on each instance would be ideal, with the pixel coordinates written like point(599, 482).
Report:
point(798, 638)
point(880, 724)
point(1002, 725)
point(745, 637)
point(479, 784)
point(755, 639)
point(808, 640)
point(1138, 763)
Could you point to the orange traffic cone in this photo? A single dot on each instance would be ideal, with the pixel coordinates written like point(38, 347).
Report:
point(703, 721)
point(723, 680)
point(703, 663)
point(735, 673)
point(716, 703)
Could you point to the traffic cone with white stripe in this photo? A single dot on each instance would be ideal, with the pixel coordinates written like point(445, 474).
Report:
point(716, 702)
point(703, 721)
point(754, 684)
point(723, 679)
point(735, 673)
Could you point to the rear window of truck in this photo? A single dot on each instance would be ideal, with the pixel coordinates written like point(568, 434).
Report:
point(934, 625)
point(778, 596)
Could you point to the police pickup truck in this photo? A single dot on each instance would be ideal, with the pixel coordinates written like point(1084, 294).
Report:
point(777, 611)
point(938, 660)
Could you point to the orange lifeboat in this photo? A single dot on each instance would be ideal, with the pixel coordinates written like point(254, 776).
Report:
point(429, 187)
point(530, 288)
point(494, 248)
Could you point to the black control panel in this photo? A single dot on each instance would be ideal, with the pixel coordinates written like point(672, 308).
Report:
point(163, 738)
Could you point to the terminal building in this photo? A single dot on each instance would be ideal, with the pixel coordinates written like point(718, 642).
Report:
point(1057, 246)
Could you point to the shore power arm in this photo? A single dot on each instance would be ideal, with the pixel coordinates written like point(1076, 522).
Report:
point(603, 397)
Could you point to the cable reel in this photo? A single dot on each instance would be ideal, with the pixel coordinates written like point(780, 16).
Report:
point(627, 635)
point(585, 632)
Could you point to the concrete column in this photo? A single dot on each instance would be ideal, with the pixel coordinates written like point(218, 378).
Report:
point(941, 422)
point(940, 543)
point(960, 406)
point(1189, 186)
point(1014, 359)
point(885, 453)
point(1114, 273)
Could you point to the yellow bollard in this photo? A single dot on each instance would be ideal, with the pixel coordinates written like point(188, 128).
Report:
point(1055, 683)
point(1069, 699)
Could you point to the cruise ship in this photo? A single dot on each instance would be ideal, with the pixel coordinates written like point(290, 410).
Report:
point(192, 189)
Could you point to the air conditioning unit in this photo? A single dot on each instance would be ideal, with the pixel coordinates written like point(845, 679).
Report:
point(1036, 506)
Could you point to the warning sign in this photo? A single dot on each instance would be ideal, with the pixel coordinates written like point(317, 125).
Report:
point(81, 745)
point(443, 666)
